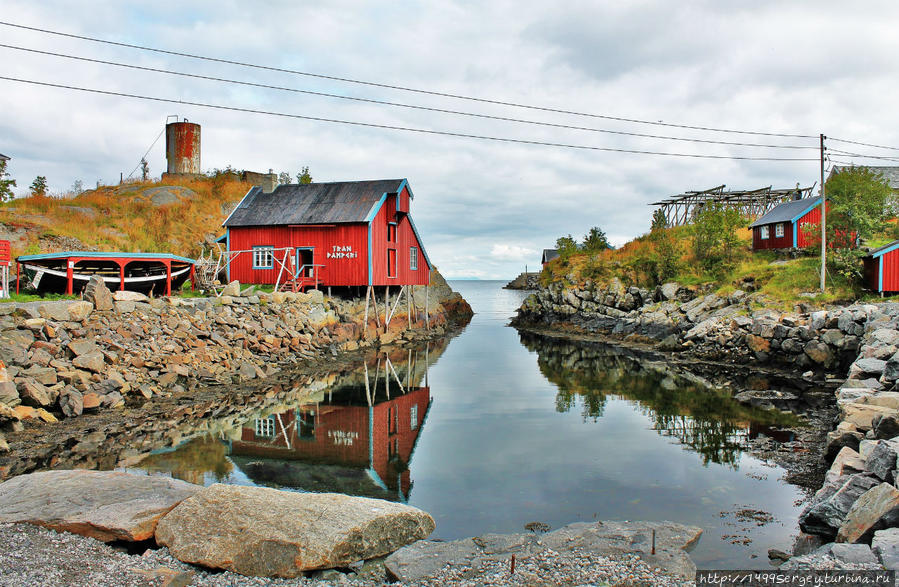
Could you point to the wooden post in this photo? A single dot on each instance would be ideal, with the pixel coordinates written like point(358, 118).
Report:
point(168, 278)
point(387, 308)
point(823, 219)
point(193, 277)
point(18, 272)
point(121, 277)
point(365, 324)
point(409, 304)
point(427, 320)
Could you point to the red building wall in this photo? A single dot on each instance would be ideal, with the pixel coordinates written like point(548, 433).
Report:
point(812, 218)
point(405, 238)
point(348, 244)
point(772, 242)
point(890, 271)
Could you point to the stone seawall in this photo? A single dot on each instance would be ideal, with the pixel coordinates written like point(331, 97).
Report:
point(60, 359)
point(852, 522)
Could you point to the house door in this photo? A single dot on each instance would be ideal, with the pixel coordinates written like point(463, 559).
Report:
point(304, 262)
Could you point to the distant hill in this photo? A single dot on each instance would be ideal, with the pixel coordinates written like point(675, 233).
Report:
point(174, 217)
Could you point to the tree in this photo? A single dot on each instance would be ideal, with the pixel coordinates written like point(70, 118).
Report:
point(303, 176)
point(659, 220)
point(77, 187)
point(283, 178)
point(144, 169)
point(566, 246)
point(595, 240)
point(6, 185)
point(39, 186)
point(857, 203)
point(715, 238)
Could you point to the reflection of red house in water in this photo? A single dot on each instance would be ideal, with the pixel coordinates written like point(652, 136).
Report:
point(379, 438)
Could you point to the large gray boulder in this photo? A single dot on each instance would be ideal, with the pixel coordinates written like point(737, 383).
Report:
point(259, 531)
point(425, 559)
point(832, 503)
point(886, 546)
point(878, 508)
point(106, 505)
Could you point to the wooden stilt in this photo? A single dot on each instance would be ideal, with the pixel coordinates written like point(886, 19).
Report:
point(386, 377)
point(399, 298)
point(367, 389)
point(427, 303)
point(409, 304)
point(386, 307)
point(365, 324)
point(374, 304)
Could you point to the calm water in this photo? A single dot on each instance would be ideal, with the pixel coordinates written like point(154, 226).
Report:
point(496, 429)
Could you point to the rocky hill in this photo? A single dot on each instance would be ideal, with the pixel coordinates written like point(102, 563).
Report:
point(179, 216)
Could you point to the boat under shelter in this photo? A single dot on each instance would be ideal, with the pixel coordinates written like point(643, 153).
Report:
point(69, 272)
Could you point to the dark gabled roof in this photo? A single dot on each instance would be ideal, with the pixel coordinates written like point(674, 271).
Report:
point(788, 211)
point(3, 157)
point(879, 251)
point(549, 255)
point(313, 203)
point(890, 174)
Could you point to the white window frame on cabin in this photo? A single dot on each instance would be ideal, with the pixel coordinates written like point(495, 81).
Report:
point(265, 427)
point(764, 233)
point(413, 258)
point(264, 257)
point(779, 230)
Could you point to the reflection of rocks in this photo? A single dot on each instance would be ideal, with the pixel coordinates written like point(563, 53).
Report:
point(101, 504)
point(768, 399)
point(425, 559)
point(265, 532)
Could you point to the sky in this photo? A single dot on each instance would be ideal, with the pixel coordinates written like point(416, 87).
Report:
point(484, 208)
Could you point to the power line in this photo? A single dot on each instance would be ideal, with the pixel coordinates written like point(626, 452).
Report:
point(402, 105)
point(863, 144)
point(400, 128)
point(863, 156)
point(401, 88)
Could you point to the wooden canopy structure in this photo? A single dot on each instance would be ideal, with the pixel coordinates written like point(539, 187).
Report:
point(683, 208)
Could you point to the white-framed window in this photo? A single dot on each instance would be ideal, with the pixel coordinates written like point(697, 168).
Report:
point(263, 257)
point(779, 229)
point(413, 258)
point(413, 417)
point(265, 427)
point(763, 232)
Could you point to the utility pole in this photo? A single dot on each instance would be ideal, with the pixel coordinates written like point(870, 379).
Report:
point(823, 219)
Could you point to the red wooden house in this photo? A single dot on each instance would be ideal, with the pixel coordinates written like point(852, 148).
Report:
point(548, 255)
point(351, 233)
point(783, 227)
point(882, 268)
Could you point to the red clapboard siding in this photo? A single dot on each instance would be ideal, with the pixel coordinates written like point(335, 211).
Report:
point(323, 239)
point(811, 218)
point(891, 271)
point(405, 238)
point(772, 242)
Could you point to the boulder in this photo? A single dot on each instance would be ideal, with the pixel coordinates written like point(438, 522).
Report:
point(106, 505)
point(71, 402)
point(876, 509)
point(259, 531)
point(757, 344)
point(92, 361)
point(34, 394)
point(818, 352)
point(885, 546)
point(886, 426)
point(82, 347)
point(98, 294)
point(839, 439)
point(882, 460)
point(869, 366)
point(847, 462)
point(78, 311)
point(129, 296)
point(669, 290)
point(863, 414)
point(830, 505)
point(424, 559)
point(232, 289)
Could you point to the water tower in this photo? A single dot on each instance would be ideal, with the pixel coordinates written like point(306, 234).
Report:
point(182, 147)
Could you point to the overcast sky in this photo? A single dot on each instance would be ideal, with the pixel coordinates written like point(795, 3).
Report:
point(484, 208)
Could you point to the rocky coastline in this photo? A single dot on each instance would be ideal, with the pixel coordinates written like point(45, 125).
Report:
point(62, 359)
point(529, 281)
point(852, 521)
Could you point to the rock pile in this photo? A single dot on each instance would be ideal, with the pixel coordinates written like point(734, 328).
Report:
point(60, 359)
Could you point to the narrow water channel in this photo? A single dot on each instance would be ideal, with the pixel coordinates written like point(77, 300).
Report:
point(496, 429)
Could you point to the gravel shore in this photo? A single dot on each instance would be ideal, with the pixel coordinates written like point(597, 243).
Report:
point(32, 555)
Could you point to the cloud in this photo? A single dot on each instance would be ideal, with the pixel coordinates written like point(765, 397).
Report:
point(484, 208)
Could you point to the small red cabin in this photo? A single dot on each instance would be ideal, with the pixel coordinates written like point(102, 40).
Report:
point(549, 255)
point(350, 233)
point(882, 268)
point(782, 227)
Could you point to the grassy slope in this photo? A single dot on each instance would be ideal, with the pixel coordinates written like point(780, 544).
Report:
point(782, 280)
point(125, 219)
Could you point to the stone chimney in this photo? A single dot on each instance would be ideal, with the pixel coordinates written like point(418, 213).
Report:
point(269, 182)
